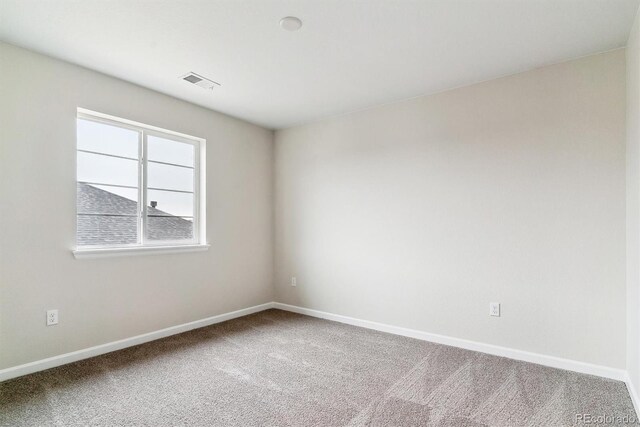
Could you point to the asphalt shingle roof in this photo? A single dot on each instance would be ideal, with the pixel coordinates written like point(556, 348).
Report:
point(106, 218)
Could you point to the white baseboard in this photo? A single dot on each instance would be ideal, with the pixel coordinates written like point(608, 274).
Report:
point(63, 359)
point(526, 356)
point(541, 359)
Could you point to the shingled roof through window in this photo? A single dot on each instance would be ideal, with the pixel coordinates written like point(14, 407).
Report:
point(105, 218)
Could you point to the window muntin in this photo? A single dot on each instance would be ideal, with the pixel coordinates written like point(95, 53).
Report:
point(137, 185)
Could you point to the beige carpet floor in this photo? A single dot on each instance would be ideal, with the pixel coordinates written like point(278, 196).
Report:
point(281, 369)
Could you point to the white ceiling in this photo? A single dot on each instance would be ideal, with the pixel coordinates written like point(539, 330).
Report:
point(349, 55)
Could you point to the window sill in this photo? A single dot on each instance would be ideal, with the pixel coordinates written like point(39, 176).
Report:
point(146, 250)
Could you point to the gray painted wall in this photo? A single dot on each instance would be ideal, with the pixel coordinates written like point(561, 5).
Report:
point(416, 214)
point(104, 300)
point(420, 213)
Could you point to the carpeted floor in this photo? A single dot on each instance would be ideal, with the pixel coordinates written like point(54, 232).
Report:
point(276, 368)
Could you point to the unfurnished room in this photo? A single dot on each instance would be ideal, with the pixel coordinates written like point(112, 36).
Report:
point(316, 213)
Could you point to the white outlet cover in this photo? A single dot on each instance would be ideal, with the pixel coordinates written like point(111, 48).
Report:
point(494, 309)
point(293, 281)
point(52, 317)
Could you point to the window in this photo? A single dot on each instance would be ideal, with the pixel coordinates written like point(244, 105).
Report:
point(137, 186)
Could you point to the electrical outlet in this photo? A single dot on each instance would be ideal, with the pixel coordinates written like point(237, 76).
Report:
point(293, 281)
point(52, 317)
point(494, 309)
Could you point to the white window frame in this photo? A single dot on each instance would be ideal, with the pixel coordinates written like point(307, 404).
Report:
point(144, 246)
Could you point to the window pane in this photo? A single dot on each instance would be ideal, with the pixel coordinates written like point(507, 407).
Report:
point(109, 184)
point(169, 177)
point(107, 170)
point(169, 228)
point(98, 199)
point(168, 203)
point(103, 138)
point(102, 230)
point(168, 151)
point(128, 196)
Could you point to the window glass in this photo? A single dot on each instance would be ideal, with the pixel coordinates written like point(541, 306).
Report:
point(118, 167)
point(169, 151)
point(166, 177)
point(99, 169)
point(107, 139)
point(168, 203)
point(104, 230)
point(169, 228)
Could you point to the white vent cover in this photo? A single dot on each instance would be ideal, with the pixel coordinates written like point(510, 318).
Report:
point(199, 80)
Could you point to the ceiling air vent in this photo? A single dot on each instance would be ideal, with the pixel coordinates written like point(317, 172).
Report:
point(199, 80)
